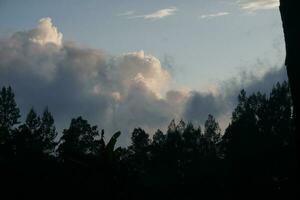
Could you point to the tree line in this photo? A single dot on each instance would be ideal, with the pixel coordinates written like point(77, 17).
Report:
point(256, 155)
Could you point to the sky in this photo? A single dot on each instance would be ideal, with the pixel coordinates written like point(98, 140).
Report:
point(123, 64)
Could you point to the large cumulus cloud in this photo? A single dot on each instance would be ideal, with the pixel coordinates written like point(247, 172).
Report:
point(114, 92)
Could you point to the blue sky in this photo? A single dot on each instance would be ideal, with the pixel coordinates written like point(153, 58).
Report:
point(202, 51)
point(123, 64)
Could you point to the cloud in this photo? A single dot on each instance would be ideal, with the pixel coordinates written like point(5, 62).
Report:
point(199, 105)
point(159, 14)
point(115, 92)
point(45, 33)
point(253, 83)
point(219, 14)
point(127, 13)
point(254, 5)
point(142, 69)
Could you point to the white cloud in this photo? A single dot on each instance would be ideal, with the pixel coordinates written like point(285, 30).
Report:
point(144, 69)
point(219, 14)
point(254, 5)
point(45, 33)
point(159, 14)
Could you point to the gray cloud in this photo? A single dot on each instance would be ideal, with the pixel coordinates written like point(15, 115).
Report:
point(253, 83)
point(115, 92)
point(199, 105)
point(223, 102)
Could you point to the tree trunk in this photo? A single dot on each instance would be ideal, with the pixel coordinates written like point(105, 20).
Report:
point(290, 16)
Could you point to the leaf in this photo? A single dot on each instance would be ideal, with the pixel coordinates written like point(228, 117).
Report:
point(112, 142)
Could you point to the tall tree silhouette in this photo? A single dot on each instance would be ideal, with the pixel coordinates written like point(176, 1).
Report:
point(9, 112)
point(289, 10)
point(9, 116)
point(48, 132)
point(27, 138)
point(241, 134)
point(33, 121)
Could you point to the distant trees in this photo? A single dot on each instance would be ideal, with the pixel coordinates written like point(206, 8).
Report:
point(35, 136)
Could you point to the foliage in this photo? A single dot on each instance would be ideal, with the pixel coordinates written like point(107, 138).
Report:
point(78, 140)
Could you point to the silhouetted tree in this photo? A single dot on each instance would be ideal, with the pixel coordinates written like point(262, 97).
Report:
point(37, 135)
point(9, 112)
point(78, 140)
point(256, 143)
point(158, 138)
point(212, 131)
point(243, 131)
point(174, 137)
point(27, 138)
point(48, 132)
point(140, 140)
point(280, 110)
point(289, 10)
point(289, 13)
point(33, 121)
point(9, 115)
point(108, 151)
point(191, 137)
point(180, 127)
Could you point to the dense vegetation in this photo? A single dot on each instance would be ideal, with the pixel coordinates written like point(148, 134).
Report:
point(256, 155)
